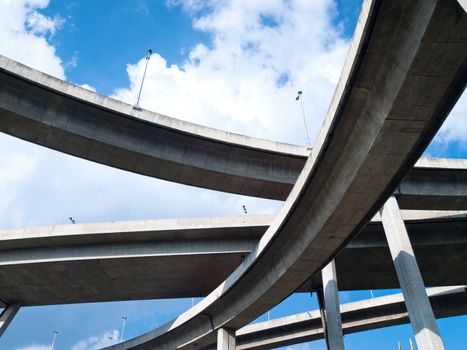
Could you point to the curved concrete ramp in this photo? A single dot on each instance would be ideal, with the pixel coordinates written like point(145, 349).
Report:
point(70, 119)
point(396, 89)
point(53, 113)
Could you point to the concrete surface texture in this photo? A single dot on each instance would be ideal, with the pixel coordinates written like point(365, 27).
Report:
point(190, 257)
point(418, 305)
point(374, 132)
point(68, 118)
point(7, 316)
point(225, 339)
point(59, 115)
point(366, 263)
point(124, 260)
point(356, 317)
point(334, 336)
point(396, 89)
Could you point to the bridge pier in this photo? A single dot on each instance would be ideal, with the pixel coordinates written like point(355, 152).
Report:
point(416, 300)
point(332, 321)
point(7, 316)
point(225, 339)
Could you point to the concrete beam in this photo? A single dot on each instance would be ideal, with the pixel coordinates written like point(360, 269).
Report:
point(154, 258)
point(225, 339)
point(131, 260)
point(434, 184)
point(7, 316)
point(440, 246)
point(374, 132)
point(356, 317)
point(418, 305)
point(56, 114)
point(334, 336)
point(65, 117)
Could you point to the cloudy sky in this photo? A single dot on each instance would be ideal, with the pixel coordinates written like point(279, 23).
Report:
point(235, 65)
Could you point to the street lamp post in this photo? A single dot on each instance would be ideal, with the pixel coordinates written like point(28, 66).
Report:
point(148, 56)
point(299, 94)
point(53, 340)
point(124, 318)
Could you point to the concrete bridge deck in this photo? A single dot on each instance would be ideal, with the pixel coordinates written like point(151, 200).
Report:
point(59, 115)
point(396, 89)
point(190, 257)
point(53, 113)
point(356, 317)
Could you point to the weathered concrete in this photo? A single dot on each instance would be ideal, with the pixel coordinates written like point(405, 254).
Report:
point(356, 317)
point(7, 316)
point(59, 115)
point(418, 305)
point(334, 336)
point(225, 339)
point(124, 260)
point(440, 246)
point(155, 258)
point(396, 89)
point(50, 112)
point(439, 184)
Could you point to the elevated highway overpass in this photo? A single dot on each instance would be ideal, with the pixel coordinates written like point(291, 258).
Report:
point(396, 89)
point(189, 257)
point(53, 113)
point(356, 317)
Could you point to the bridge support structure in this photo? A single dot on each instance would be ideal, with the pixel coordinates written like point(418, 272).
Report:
point(416, 300)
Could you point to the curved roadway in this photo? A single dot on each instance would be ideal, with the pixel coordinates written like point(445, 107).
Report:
point(53, 113)
point(406, 68)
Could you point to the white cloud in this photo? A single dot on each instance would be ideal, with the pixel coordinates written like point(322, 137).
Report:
point(315, 345)
point(73, 61)
point(16, 169)
point(23, 35)
point(89, 87)
point(35, 347)
point(39, 24)
point(262, 53)
point(304, 346)
point(97, 342)
point(455, 126)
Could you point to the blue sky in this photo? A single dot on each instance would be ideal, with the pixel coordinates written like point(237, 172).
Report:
point(232, 65)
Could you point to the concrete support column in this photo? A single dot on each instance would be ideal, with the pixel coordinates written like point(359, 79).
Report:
point(225, 339)
point(335, 338)
point(7, 316)
point(418, 305)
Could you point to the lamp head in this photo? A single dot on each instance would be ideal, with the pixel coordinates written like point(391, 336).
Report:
point(148, 54)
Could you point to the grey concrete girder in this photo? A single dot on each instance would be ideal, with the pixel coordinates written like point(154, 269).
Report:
point(7, 316)
point(49, 265)
point(345, 165)
point(56, 114)
point(124, 250)
point(356, 317)
point(68, 118)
